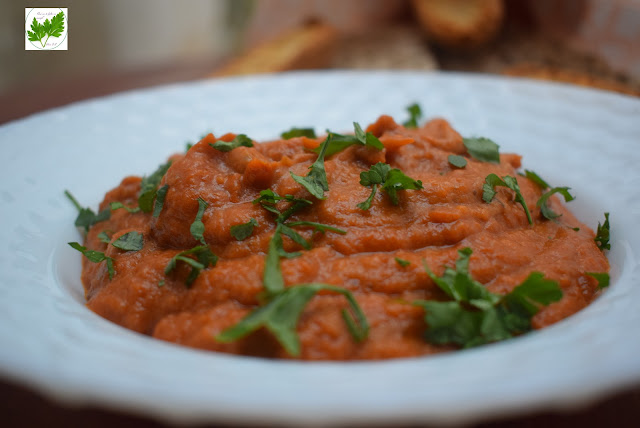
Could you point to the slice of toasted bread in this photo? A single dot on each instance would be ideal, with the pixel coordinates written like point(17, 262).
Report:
point(307, 47)
point(460, 24)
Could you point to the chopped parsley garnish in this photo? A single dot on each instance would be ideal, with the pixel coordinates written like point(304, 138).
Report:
point(603, 278)
point(95, 257)
point(536, 179)
point(204, 258)
point(244, 230)
point(119, 205)
point(159, 203)
point(197, 227)
point(239, 140)
point(483, 149)
point(284, 306)
point(130, 241)
point(415, 114)
point(148, 187)
point(339, 142)
point(316, 179)
point(268, 199)
point(86, 217)
point(391, 181)
point(476, 316)
point(298, 132)
point(104, 237)
point(603, 234)
point(457, 161)
point(492, 180)
point(545, 210)
point(402, 262)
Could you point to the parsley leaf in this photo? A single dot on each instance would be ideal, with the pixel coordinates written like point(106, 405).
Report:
point(415, 113)
point(603, 234)
point(602, 277)
point(280, 316)
point(243, 231)
point(536, 179)
point(53, 28)
point(391, 180)
point(316, 179)
point(239, 140)
point(268, 199)
point(545, 210)
point(272, 276)
point(130, 241)
point(148, 187)
point(204, 256)
point(104, 237)
point(482, 149)
point(402, 262)
point(197, 227)
point(161, 194)
point(396, 180)
point(492, 180)
point(86, 217)
point(298, 132)
point(477, 316)
point(339, 142)
point(119, 205)
point(457, 161)
point(95, 257)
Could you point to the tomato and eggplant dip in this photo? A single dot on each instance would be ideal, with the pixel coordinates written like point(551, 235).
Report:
point(394, 241)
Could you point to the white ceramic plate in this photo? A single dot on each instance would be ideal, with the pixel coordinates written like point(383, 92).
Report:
point(588, 140)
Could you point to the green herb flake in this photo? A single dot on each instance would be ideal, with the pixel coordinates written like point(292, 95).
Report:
point(197, 227)
point(268, 199)
point(545, 210)
point(488, 191)
point(130, 241)
point(119, 205)
point(390, 180)
point(243, 231)
point(280, 316)
point(316, 179)
point(415, 114)
point(95, 257)
point(239, 140)
point(104, 237)
point(298, 132)
point(161, 195)
point(204, 258)
point(602, 278)
point(457, 161)
point(148, 187)
point(536, 179)
point(483, 149)
point(476, 316)
point(339, 142)
point(402, 262)
point(603, 234)
point(86, 217)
